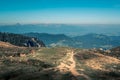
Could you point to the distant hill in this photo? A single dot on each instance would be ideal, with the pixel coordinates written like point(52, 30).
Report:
point(20, 40)
point(98, 41)
point(85, 41)
point(51, 39)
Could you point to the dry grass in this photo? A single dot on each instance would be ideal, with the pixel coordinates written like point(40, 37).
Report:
point(100, 62)
point(6, 44)
point(42, 64)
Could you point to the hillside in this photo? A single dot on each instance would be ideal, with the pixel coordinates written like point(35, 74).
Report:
point(88, 41)
point(59, 63)
point(115, 52)
point(6, 44)
point(20, 40)
point(50, 39)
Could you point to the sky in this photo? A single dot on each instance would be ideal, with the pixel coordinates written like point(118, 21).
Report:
point(60, 11)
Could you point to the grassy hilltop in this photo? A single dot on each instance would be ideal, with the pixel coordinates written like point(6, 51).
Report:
point(58, 63)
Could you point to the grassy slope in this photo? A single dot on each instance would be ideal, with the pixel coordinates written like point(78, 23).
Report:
point(41, 64)
point(97, 66)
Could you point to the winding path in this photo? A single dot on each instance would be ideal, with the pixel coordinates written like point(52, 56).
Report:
point(69, 64)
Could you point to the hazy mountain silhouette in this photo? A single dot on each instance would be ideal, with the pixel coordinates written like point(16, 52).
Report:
point(85, 41)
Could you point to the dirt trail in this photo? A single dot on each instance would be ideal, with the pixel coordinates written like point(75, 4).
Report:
point(69, 64)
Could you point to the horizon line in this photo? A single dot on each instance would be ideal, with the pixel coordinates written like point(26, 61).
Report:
point(60, 23)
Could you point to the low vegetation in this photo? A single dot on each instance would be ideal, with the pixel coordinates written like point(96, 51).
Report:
point(22, 63)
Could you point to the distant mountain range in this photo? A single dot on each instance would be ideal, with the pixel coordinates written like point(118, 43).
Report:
point(101, 35)
point(84, 41)
point(67, 29)
point(57, 40)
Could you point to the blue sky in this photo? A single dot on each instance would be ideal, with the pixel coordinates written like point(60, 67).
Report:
point(60, 11)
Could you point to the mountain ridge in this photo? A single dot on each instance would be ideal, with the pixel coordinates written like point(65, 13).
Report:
point(68, 29)
point(91, 40)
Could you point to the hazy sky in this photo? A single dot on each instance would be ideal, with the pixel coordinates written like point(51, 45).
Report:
point(60, 11)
